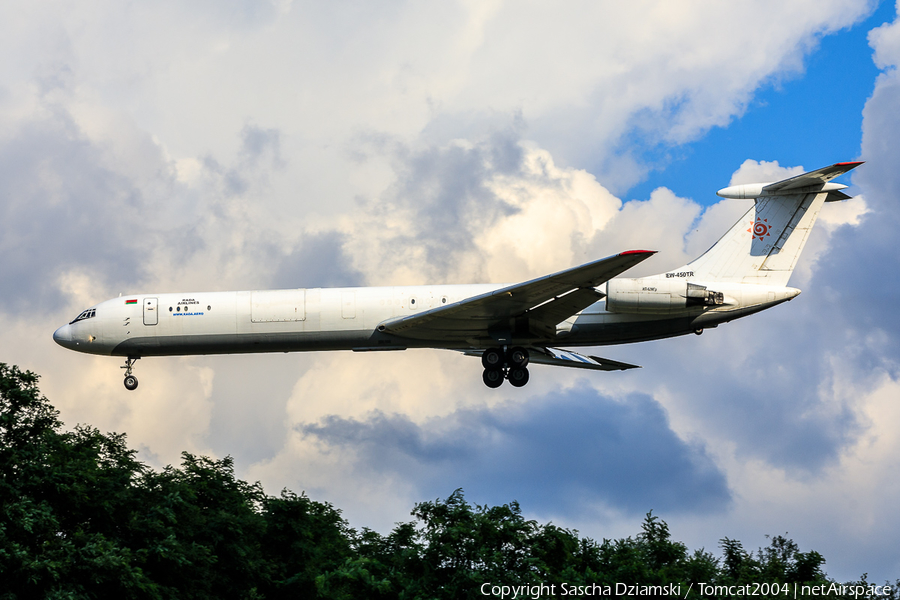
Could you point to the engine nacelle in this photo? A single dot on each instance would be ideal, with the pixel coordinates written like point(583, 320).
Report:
point(660, 296)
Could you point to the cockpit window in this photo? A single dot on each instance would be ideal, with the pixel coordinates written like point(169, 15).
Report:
point(84, 315)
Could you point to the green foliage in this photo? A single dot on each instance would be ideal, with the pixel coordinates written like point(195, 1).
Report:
point(654, 559)
point(81, 518)
point(64, 497)
point(301, 539)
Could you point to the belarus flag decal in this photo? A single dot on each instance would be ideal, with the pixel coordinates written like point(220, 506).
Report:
point(131, 301)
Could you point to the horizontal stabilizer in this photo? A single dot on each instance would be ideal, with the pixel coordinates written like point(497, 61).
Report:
point(813, 178)
point(836, 196)
point(806, 183)
point(566, 358)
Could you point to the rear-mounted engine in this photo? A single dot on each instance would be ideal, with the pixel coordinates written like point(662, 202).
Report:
point(698, 295)
point(661, 296)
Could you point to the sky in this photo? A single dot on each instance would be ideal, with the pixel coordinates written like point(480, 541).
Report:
point(238, 145)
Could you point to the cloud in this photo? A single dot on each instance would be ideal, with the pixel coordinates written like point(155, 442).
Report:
point(652, 86)
point(761, 389)
point(88, 198)
point(753, 171)
point(460, 209)
point(63, 212)
point(258, 147)
point(561, 455)
point(595, 86)
point(843, 512)
point(861, 258)
point(318, 259)
point(498, 208)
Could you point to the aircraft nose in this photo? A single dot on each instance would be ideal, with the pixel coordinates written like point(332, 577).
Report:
point(63, 336)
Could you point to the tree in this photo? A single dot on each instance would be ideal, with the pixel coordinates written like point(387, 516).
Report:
point(81, 517)
point(301, 540)
point(64, 499)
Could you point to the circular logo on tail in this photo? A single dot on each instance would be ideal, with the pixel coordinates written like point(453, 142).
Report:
point(760, 229)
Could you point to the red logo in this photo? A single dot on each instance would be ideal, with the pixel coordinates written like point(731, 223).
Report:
point(760, 229)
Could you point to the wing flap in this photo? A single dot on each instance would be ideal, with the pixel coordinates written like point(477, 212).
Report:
point(559, 309)
point(566, 358)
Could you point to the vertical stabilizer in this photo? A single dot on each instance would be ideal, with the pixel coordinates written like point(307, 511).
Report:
point(764, 245)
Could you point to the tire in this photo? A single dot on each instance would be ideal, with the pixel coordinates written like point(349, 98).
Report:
point(131, 382)
point(492, 358)
point(518, 357)
point(518, 376)
point(493, 378)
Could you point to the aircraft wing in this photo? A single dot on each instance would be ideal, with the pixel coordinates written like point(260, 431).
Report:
point(555, 297)
point(567, 358)
point(817, 177)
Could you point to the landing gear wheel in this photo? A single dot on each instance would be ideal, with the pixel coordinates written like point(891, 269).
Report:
point(493, 378)
point(492, 358)
point(518, 357)
point(131, 381)
point(518, 376)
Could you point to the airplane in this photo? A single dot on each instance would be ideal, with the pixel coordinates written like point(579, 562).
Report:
point(508, 326)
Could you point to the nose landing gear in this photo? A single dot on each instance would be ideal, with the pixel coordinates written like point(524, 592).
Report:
point(131, 382)
point(499, 365)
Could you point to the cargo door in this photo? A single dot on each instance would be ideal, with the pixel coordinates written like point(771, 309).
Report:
point(274, 306)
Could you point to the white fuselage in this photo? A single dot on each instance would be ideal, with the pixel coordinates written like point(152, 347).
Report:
point(349, 318)
point(507, 326)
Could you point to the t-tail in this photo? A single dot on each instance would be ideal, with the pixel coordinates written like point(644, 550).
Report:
point(748, 269)
point(763, 247)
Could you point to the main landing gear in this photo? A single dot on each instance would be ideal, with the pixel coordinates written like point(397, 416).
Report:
point(500, 364)
point(131, 381)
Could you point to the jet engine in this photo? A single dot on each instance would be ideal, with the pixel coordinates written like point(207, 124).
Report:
point(660, 296)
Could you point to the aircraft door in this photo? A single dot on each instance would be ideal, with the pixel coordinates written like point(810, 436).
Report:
point(151, 315)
